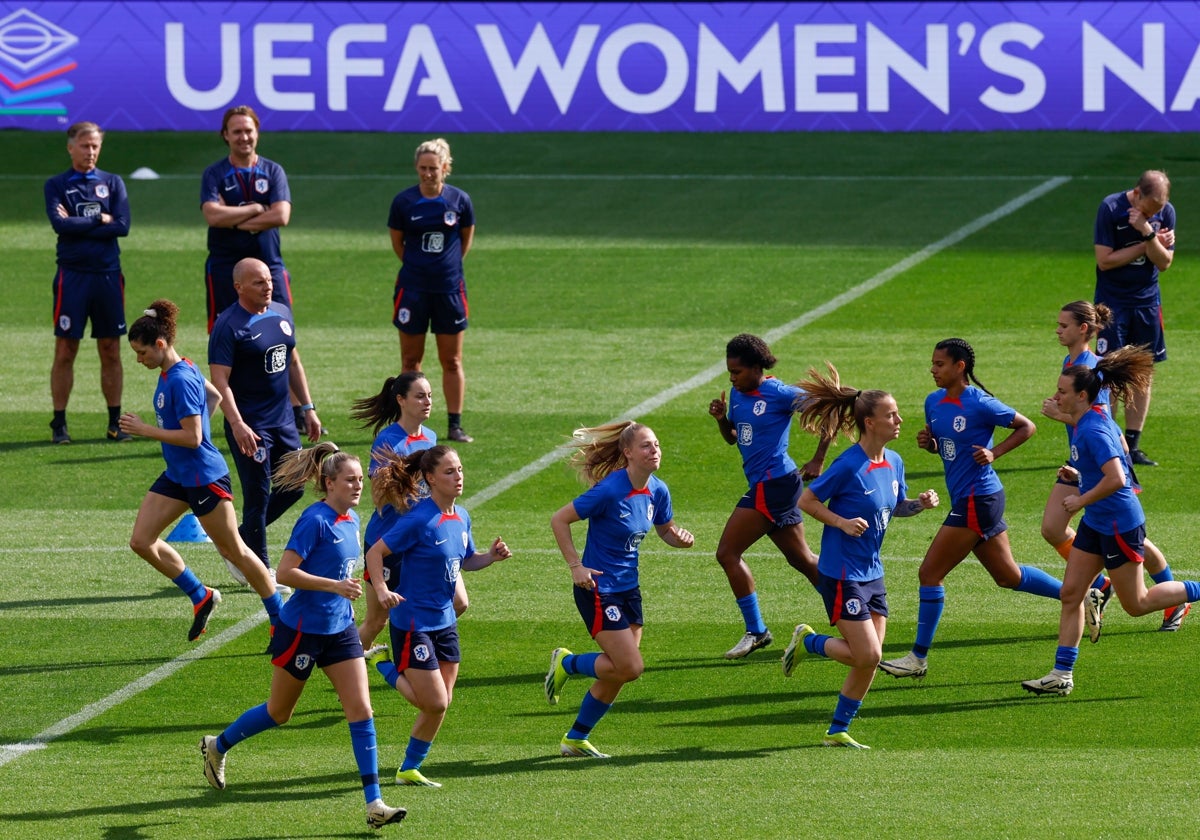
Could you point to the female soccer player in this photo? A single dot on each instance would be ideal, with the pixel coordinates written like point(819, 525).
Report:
point(196, 476)
point(863, 489)
point(1078, 322)
point(960, 419)
point(624, 500)
point(432, 227)
point(758, 419)
point(396, 414)
point(316, 626)
point(1113, 527)
point(433, 534)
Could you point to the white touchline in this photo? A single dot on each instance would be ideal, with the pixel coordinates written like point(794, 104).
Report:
point(10, 752)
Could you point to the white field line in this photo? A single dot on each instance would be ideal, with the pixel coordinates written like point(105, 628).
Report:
point(649, 176)
point(11, 752)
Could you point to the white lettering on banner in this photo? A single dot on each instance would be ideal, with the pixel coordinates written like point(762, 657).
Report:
point(608, 70)
point(342, 67)
point(267, 67)
point(231, 70)
point(715, 62)
point(810, 66)
point(1102, 56)
point(931, 80)
point(538, 58)
point(994, 57)
point(1189, 89)
point(421, 45)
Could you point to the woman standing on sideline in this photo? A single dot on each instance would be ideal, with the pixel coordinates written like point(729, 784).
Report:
point(432, 227)
point(196, 476)
point(863, 489)
point(624, 501)
point(1113, 528)
point(318, 564)
point(396, 414)
point(960, 419)
point(1078, 322)
point(433, 534)
point(758, 419)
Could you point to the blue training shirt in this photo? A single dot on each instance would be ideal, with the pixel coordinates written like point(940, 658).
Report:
point(180, 393)
point(258, 350)
point(402, 443)
point(1095, 442)
point(432, 230)
point(854, 487)
point(84, 244)
point(762, 421)
point(619, 517)
point(264, 183)
point(959, 425)
point(434, 545)
point(328, 545)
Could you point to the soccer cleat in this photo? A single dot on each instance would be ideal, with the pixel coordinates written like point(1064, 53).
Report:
point(1173, 618)
point(214, 762)
point(59, 434)
point(794, 646)
point(376, 654)
point(1093, 612)
point(281, 588)
point(579, 748)
point(457, 435)
point(909, 665)
point(557, 676)
point(379, 814)
point(201, 613)
point(749, 643)
point(236, 573)
point(1056, 682)
point(1141, 459)
point(842, 739)
point(114, 433)
point(413, 777)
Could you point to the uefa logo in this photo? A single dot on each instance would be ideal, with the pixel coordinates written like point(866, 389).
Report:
point(32, 64)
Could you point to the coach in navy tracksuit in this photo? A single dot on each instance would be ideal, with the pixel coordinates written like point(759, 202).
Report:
point(89, 210)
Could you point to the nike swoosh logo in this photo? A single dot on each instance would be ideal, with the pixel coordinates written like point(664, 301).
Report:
point(120, 326)
point(1111, 556)
point(257, 336)
point(415, 218)
point(337, 540)
point(439, 542)
point(623, 515)
point(460, 320)
point(869, 492)
point(204, 500)
point(1122, 227)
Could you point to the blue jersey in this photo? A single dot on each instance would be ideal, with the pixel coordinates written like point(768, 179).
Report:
point(762, 421)
point(959, 425)
point(84, 244)
point(619, 517)
point(1104, 399)
point(180, 393)
point(328, 545)
point(434, 545)
point(1136, 283)
point(402, 443)
point(1095, 442)
point(432, 229)
point(264, 183)
point(855, 487)
point(258, 350)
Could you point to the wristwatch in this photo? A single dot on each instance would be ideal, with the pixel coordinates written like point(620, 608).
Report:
point(1148, 236)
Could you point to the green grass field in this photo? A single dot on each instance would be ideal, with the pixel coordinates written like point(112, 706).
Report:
point(608, 273)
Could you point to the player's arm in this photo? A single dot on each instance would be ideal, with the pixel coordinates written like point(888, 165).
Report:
point(674, 536)
point(190, 433)
point(298, 384)
point(275, 216)
point(818, 510)
point(467, 236)
point(911, 507)
point(397, 242)
point(221, 215)
point(1112, 480)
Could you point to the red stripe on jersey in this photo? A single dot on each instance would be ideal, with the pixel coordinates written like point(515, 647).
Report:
point(879, 465)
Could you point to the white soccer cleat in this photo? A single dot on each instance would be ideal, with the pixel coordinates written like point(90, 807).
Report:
point(909, 665)
point(579, 748)
point(379, 814)
point(1056, 682)
point(1093, 612)
point(748, 644)
point(214, 762)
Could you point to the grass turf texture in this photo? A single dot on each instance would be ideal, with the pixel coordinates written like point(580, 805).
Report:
point(608, 268)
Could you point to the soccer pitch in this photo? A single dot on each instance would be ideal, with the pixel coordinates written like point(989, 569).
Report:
point(607, 274)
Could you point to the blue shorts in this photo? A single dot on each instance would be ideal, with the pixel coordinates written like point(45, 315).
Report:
point(608, 610)
point(852, 600)
point(776, 499)
point(297, 652)
point(424, 649)
point(219, 293)
point(83, 295)
point(1116, 549)
point(414, 312)
point(982, 514)
point(202, 500)
point(1135, 325)
point(391, 570)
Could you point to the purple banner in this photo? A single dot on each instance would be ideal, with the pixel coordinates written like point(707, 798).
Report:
point(457, 67)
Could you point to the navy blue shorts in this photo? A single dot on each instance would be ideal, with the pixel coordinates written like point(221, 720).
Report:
point(83, 295)
point(415, 312)
point(852, 600)
point(776, 499)
point(202, 500)
point(608, 610)
point(219, 293)
point(297, 652)
point(424, 649)
point(1116, 549)
point(391, 570)
point(982, 514)
point(1136, 325)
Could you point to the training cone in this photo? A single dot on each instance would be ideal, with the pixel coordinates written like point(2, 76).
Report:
point(188, 530)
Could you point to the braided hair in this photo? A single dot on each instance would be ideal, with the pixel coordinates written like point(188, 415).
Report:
point(960, 351)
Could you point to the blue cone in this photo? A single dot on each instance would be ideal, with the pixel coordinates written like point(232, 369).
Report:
point(188, 531)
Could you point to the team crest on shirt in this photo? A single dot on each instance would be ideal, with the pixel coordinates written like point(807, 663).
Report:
point(285, 327)
point(102, 191)
point(1074, 453)
point(421, 653)
point(949, 452)
point(450, 218)
point(612, 613)
point(275, 359)
point(759, 408)
point(895, 488)
point(303, 662)
point(853, 606)
point(160, 401)
point(959, 423)
point(1101, 346)
point(745, 434)
point(261, 185)
point(453, 569)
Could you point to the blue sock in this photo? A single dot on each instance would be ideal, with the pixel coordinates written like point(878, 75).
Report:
point(388, 670)
point(929, 613)
point(1036, 582)
point(251, 722)
point(1163, 576)
point(815, 643)
point(1192, 588)
point(1100, 582)
point(191, 585)
point(590, 712)
point(362, 738)
point(581, 663)
point(748, 604)
point(272, 606)
point(843, 713)
point(415, 753)
point(1064, 658)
